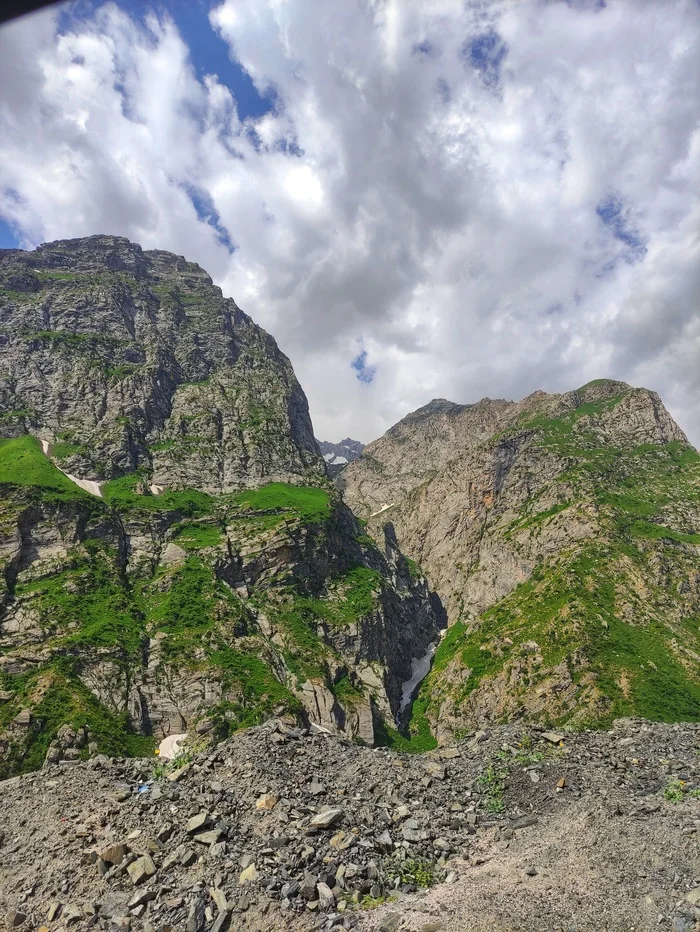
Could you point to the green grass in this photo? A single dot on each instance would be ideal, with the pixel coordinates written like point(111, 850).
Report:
point(23, 464)
point(346, 692)
point(419, 871)
point(193, 536)
point(492, 782)
point(89, 606)
point(414, 570)
point(62, 450)
point(310, 503)
point(259, 693)
point(65, 699)
point(121, 494)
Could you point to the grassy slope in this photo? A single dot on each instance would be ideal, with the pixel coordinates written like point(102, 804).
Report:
point(90, 604)
point(610, 605)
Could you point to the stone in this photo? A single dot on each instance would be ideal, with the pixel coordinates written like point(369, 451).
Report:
point(114, 854)
point(53, 911)
point(693, 897)
point(390, 923)
point(249, 875)
point(219, 898)
point(16, 918)
point(326, 819)
point(208, 838)
point(553, 737)
point(266, 802)
point(138, 899)
point(197, 822)
point(141, 869)
point(220, 922)
point(196, 916)
point(308, 886)
point(326, 897)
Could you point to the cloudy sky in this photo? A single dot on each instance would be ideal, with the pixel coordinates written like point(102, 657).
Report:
point(417, 199)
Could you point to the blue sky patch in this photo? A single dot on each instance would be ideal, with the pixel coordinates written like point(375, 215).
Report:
point(485, 53)
point(208, 214)
point(209, 53)
point(365, 373)
point(611, 211)
point(8, 240)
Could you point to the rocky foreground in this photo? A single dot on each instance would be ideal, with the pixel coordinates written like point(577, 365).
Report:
point(516, 828)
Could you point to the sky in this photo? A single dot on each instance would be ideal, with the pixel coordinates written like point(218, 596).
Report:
point(418, 200)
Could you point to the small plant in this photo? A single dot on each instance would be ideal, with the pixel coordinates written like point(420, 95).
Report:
point(372, 902)
point(493, 780)
point(673, 791)
point(418, 871)
point(163, 767)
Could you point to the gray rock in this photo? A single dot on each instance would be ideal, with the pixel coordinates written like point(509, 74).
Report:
point(141, 869)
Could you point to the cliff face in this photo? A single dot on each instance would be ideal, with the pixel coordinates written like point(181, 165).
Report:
point(172, 555)
point(563, 535)
point(130, 360)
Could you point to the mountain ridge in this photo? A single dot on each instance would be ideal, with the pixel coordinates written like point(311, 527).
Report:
point(510, 508)
point(178, 562)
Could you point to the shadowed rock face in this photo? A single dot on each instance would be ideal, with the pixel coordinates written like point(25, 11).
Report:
point(132, 359)
point(562, 533)
point(172, 556)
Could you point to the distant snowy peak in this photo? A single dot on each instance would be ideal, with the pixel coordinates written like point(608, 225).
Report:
point(338, 455)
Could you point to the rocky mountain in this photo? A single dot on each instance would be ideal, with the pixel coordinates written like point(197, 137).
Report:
point(562, 533)
point(338, 455)
point(173, 557)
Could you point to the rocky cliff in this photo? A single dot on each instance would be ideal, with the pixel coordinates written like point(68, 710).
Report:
point(562, 533)
point(339, 454)
point(173, 558)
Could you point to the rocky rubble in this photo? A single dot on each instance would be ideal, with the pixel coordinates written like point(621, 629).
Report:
point(286, 828)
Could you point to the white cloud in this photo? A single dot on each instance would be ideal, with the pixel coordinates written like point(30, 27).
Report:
point(426, 189)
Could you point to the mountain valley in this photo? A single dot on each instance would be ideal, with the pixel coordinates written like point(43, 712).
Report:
point(449, 683)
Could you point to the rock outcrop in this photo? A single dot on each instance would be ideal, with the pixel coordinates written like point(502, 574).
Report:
point(172, 555)
point(132, 360)
point(562, 534)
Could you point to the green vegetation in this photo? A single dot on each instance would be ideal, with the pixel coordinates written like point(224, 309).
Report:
point(194, 536)
point(310, 503)
point(493, 782)
point(418, 871)
point(414, 569)
point(59, 697)
point(346, 692)
point(189, 610)
point(58, 276)
point(259, 692)
point(89, 606)
point(674, 790)
point(122, 494)
point(63, 449)
point(419, 738)
point(23, 464)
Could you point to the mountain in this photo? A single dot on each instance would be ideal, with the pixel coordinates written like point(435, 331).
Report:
point(172, 555)
point(562, 533)
point(338, 455)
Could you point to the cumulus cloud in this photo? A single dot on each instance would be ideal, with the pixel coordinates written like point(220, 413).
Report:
point(445, 200)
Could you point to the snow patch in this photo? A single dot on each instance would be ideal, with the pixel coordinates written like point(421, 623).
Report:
point(87, 485)
point(169, 747)
point(383, 508)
